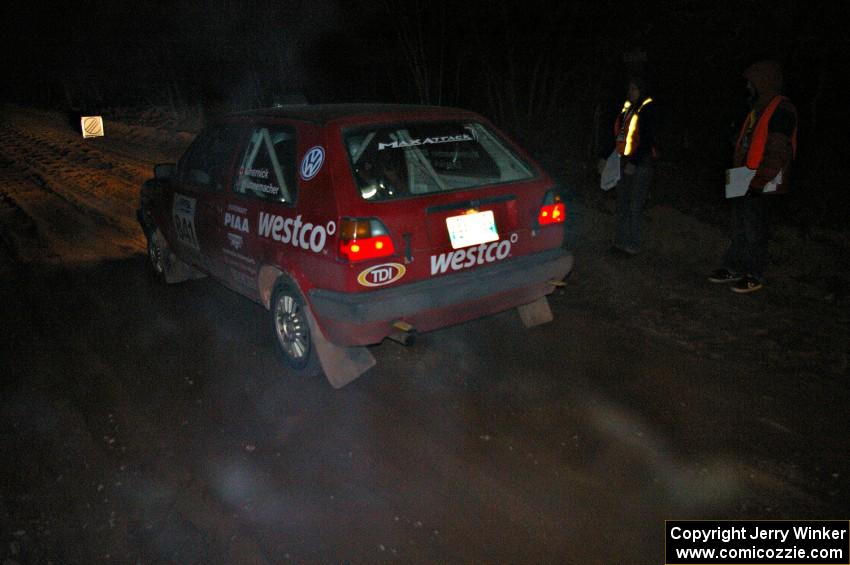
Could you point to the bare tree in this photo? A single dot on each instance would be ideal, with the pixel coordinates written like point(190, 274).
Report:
point(410, 20)
point(524, 75)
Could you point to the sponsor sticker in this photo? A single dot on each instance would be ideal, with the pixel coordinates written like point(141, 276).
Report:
point(236, 222)
point(400, 144)
point(232, 254)
point(472, 256)
point(242, 279)
point(381, 275)
point(306, 235)
point(235, 241)
point(312, 162)
point(183, 212)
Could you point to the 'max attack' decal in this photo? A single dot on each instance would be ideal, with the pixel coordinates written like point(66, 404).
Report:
point(427, 141)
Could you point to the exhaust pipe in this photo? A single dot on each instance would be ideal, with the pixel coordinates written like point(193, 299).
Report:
point(406, 334)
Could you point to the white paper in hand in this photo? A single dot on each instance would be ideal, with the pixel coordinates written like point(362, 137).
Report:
point(611, 173)
point(738, 181)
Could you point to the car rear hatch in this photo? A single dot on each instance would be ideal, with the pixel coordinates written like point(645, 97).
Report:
point(448, 195)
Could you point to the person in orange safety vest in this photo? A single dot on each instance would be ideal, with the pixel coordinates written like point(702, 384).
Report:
point(766, 144)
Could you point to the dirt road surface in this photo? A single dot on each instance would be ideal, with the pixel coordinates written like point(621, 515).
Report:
point(142, 423)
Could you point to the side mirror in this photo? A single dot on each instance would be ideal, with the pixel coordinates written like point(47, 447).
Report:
point(164, 171)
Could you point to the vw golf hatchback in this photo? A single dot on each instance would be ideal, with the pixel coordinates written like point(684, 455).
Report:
point(356, 223)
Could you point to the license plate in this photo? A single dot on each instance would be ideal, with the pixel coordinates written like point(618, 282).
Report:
point(472, 229)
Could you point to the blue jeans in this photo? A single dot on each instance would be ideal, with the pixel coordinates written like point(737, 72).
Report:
point(631, 195)
point(747, 254)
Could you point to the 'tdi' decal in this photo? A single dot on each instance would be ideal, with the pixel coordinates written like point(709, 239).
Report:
point(380, 275)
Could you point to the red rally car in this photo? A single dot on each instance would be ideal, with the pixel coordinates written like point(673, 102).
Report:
point(359, 222)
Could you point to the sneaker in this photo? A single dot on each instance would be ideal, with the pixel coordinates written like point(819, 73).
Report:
point(724, 276)
point(747, 284)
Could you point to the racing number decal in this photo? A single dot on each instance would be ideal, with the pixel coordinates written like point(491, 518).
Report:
point(311, 164)
point(184, 221)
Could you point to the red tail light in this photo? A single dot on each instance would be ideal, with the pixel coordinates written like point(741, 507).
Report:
point(553, 213)
point(364, 238)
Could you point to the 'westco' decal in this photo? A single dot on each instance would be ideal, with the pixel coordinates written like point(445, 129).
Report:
point(470, 256)
point(380, 275)
point(305, 235)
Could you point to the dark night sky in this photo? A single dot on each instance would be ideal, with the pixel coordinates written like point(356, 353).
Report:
point(337, 49)
point(533, 67)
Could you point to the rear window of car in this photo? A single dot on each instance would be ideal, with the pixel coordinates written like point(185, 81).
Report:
point(404, 160)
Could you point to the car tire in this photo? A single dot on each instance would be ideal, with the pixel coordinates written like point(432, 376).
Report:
point(164, 264)
point(291, 328)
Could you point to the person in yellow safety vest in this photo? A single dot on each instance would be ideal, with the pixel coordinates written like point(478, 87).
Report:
point(634, 140)
point(766, 144)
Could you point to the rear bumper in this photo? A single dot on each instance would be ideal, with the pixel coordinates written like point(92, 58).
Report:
point(366, 318)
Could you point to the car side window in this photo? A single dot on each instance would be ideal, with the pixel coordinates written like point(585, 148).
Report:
point(267, 168)
point(207, 159)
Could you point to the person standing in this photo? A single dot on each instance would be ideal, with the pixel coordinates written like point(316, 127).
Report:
point(634, 141)
point(766, 145)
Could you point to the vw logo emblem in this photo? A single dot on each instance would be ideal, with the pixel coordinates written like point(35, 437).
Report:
point(311, 164)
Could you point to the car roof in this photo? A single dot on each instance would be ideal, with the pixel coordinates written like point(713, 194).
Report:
point(326, 113)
